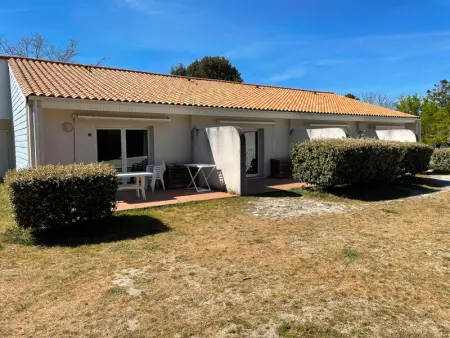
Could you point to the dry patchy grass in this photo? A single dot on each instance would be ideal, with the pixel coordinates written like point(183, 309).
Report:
point(378, 269)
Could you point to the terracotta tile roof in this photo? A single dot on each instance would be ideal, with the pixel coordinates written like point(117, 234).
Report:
point(67, 80)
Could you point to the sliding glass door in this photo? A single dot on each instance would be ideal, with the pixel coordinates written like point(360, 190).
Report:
point(109, 147)
point(136, 146)
point(126, 149)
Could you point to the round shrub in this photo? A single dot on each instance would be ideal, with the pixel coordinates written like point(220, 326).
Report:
point(441, 160)
point(58, 195)
point(416, 158)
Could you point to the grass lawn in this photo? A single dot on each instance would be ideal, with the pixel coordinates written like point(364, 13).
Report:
point(360, 266)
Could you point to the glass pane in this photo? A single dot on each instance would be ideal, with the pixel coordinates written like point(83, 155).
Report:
point(137, 150)
point(251, 149)
point(109, 147)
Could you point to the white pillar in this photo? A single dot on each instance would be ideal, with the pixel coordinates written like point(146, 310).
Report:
point(30, 128)
point(38, 134)
point(419, 130)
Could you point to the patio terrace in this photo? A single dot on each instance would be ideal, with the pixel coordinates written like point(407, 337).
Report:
point(127, 200)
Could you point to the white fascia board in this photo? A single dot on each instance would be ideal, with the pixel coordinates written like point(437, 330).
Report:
point(167, 109)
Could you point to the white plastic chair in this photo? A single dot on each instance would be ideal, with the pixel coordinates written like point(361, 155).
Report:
point(158, 174)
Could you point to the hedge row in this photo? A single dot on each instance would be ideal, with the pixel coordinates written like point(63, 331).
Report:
point(440, 160)
point(416, 158)
point(57, 195)
point(357, 161)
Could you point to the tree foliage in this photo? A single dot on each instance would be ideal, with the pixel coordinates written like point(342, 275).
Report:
point(411, 104)
point(440, 94)
point(435, 117)
point(179, 69)
point(434, 110)
point(209, 67)
point(36, 45)
point(435, 123)
point(352, 96)
point(378, 99)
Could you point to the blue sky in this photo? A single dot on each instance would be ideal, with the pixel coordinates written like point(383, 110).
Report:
point(392, 47)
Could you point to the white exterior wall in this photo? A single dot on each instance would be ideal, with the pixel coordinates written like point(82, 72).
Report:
point(401, 135)
point(168, 141)
point(327, 133)
point(172, 141)
point(223, 147)
point(58, 145)
point(20, 124)
point(299, 130)
point(275, 137)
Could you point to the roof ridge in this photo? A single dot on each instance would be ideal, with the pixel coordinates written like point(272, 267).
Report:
point(159, 74)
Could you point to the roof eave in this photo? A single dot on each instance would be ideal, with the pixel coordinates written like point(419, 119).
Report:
point(46, 97)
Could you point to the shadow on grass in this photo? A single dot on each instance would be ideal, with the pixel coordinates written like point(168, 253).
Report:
point(406, 187)
point(382, 192)
point(432, 182)
point(111, 229)
point(279, 193)
point(259, 186)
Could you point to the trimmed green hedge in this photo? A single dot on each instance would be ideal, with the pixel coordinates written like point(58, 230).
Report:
point(441, 160)
point(416, 158)
point(57, 195)
point(357, 161)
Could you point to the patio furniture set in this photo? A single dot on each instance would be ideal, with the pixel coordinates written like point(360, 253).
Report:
point(156, 173)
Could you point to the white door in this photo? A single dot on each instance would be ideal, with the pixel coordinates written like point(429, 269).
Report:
point(4, 153)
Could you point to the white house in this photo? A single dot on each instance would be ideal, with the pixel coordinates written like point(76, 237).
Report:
point(55, 112)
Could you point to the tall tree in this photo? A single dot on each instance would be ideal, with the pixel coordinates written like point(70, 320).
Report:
point(351, 96)
point(36, 45)
point(411, 104)
point(378, 99)
point(436, 114)
point(179, 69)
point(435, 123)
point(210, 67)
point(440, 94)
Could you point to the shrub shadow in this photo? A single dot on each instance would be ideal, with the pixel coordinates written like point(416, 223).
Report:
point(279, 193)
point(408, 186)
point(261, 186)
point(433, 182)
point(383, 192)
point(377, 194)
point(110, 229)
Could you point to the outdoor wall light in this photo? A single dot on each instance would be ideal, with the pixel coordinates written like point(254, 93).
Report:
point(67, 127)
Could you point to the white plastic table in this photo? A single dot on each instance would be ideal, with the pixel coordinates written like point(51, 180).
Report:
point(140, 185)
point(200, 168)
